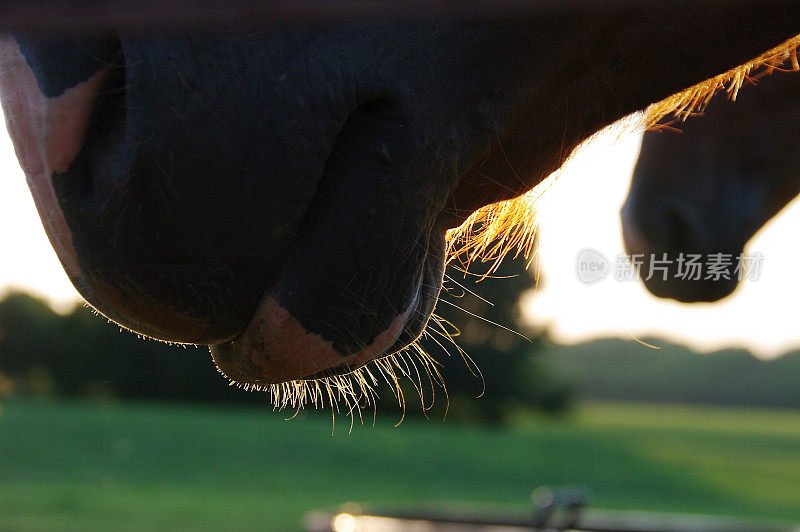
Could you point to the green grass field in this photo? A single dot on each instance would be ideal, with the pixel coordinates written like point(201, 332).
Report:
point(77, 466)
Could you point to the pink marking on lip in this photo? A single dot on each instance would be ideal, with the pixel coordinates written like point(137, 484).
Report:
point(276, 347)
point(48, 134)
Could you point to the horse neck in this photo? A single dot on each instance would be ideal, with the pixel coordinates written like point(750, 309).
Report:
point(587, 70)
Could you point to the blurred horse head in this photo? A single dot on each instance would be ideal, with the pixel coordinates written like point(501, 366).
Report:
point(706, 191)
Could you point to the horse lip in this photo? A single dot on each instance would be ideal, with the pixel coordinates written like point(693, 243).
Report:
point(48, 133)
point(332, 372)
point(275, 348)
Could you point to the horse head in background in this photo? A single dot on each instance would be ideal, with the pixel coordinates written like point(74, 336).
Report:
point(290, 195)
point(708, 190)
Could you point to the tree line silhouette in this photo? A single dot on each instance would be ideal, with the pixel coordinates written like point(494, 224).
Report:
point(79, 354)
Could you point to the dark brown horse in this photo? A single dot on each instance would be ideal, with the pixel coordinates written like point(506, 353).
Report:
point(709, 189)
point(287, 194)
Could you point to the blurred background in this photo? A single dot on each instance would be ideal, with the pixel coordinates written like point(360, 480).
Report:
point(651, 404)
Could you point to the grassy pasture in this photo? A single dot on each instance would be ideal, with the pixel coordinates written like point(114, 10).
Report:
point(83, 466)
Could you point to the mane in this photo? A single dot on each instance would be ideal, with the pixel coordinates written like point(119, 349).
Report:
point(509, 227)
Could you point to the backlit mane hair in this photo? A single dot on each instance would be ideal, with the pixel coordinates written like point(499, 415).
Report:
point(509, 227)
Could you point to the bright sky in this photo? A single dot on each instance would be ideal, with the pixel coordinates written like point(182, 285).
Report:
point(579, 211)
point(26, 259)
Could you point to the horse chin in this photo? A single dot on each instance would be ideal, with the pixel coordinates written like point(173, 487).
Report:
point(692, 291)
point(276, 348)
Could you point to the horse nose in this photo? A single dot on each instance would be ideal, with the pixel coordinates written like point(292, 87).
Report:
point(674, 227)
point(673, 250)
